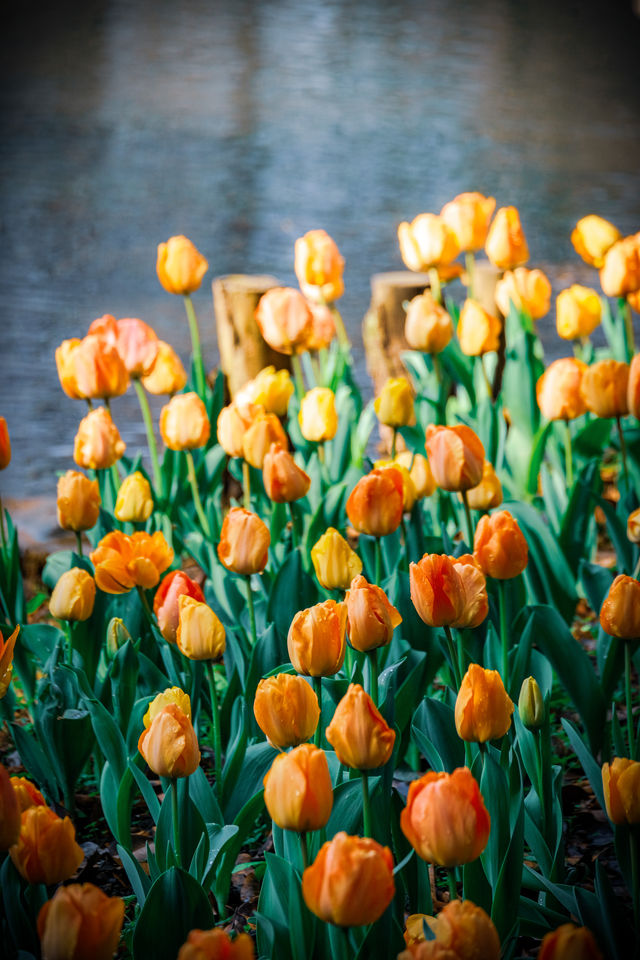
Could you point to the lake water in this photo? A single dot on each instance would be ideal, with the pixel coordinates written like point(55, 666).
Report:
point(245, 124)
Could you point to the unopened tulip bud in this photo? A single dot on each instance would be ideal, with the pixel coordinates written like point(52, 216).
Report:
point(569, 942)
point(376, 503)
point(9, 811)
point(184, 423)
point(531, 705)
point(456, 457)
point(506, 245)
point(73, 596)
point(469, 215)
point(200, 634)
point(78, 501)
point(167, 375)
point(298, 793)
point(180, 267)
point(46, 850)
point(319, 266)
point(286, 709)
point(316, 639)
point(621, 787)
point(169, 744)
point(478, 330)
point(371, 618)
point(334, 562)
point(244, 542)
point(5, 445)
point(528, 290)
point(428, 326)
point(427, 242)
point(98, 444)
point(483, 707)
point(620, 611)
point(216, 945)
point(134, 503)
point(394, 405)
point(166, 605)
point(578, 312)
point(592, 236)
point(80, 921)
point(117, 636)
point(6, 660)
point(488, 493)
point(264, 431)
point(285, 320)
point(500, 547)
point(318, 417)
point(358, 732)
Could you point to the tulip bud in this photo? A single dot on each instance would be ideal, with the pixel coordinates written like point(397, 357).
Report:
point(184, 423)
point(134, 503)
point(633, 387)
point(427, 242)
point(270, 388)
point(99, 369)
point(428, 325)
point(80, 921)
point(633, 526)
point(200, 634)
point(172, 695)
point(316, 640)
point(298, 793)
point(488, 493)
point(73, 596)
point(604, 388)
point(528, 290)
point(358, 732)
point(65, 364)
point(244, 542)
point(117, 636)
point(233, 422)
point(620, 611)
point(78, 501)
point(9, 811)
point(123, 562)
point(169, 744)
point(531, 706)
point(371, 619)
point(264, 431)
point(180, 267)
point(467, 931)
point(558, 390)
point(483, 708)
point(318, 417)
point(456, 457)
point(569, 942)
point(499, 546)
point(286, 709)
point(419, 471)
point(167, 375)
point(334, 562)
point(46, 850)
point(27, 794)
point(98, 444)
point(506, 245)
point(319, 266)
point(376, 503)
point(6, 660)
point(350, 883)
point(5, 445)
point(578, 312)
point(445, 819)
point(478, 330)
point(620, 272)
point(621, 787)
point(468, 215)
point(216, 945)
point(166, 601)
point(592, 237)
point(409, 494)
point(285, 320)
point(394, 405)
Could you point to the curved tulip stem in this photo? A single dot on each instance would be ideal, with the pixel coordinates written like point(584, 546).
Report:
point(504, 634)
point(568, 454)
point(378, 568)
point(146, 608)
point(252, 612)
point(304, 849)
point(196, 348)
point(197, 502)
point(467, 513)
point(623, 451)
point(629, 701)
point(394, 441)
point(176, 821)
point(115, 480)
point(217, 736)
point(470, 264)
point(452, 884)
point(372, 660)
point(79, 543)
point(298, 376)
point(434, 283)
point(317, 686)
point(544, 787)
point(68, 630)
point(630, 343)
point(366, 804)
point(294, 532)
point(246, 484)
point(453, 656)
point(151, 437)
point(487, 380)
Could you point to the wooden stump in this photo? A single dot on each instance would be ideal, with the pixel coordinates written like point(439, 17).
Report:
point(243, 352)
point(383, 325)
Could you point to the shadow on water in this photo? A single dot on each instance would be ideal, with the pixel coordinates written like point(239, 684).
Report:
point(244, 124)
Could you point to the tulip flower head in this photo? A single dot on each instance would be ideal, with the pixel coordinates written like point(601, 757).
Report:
point(78, 501)
point(167, 375)
point(371, 618)
point(80, 921)
point(137, 344)
point(319, 267)
point(270, 388)
point(578, 312)
point(244, 542)
point(456, 456)
point(620, 272)
point(166, 605)
point(264, 431)
point(478, 330)
point(6, 659)
point(394, 405)
point(427, 242)
point(506, 245)
point(123, 562)
point(376, 503)
point(134, 503)
point(172, 695)
point(500, 547)
point(10, 811)
point(334, 562)
point(467, 931)
point(528, 290)
point(65, 365)
point(318, 417)
point(233, 422)
point(27, 794)
point(468, 215)
point(216, 945)
point(604, 388)
point(200, 634)
point(46, 850)
point(531, 706)
point(285, 320)
point(184, 423)
point(286, 709)
point(621, 788)
point(409, 492)
point(569, 942)
point(436, 588)
point(592, 237)
point(359, 734)
point(559, 392)
point(100, 372)
point(428, 326)
point(5, 445)
point(317, 639)
point(620, 611)
point(98, 444)
point(419, 471)
point(180, 267)
point(169, 744)
point(298, 793)
point(73, 596)
point(488, 493)
point(483, 707)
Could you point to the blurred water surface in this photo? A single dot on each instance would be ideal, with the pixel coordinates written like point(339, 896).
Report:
point(245, 124)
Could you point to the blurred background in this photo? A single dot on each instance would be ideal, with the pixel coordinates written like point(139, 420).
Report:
point(244, 124)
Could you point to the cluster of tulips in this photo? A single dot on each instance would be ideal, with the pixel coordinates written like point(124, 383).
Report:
point(351, 671)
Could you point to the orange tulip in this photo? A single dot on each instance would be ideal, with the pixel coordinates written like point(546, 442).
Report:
point(46, 850)
point(506, 245)
point(409, 492)
point(621, 787)
point(244, 542)
point(73, 596)
point(286, 709)
point(138, 346)
point(633, 387)
point(216, 945)
point(604, 388)
point(428, 326)
point(620, 611)
point(80, 922)
point(200, 634)
point(620, 273)
point(169, 744)
point(319, 266)
point(350, 883)
point(419, 471)
point(6, 659)
point(592, 237)
point(167, 375)
point(123, 562)
point(263, 431)
point(184, 423)
point(298, 793)
point(9, 811)
point(166, 603)
point(558, 390)
point(528, 290)
point(456, 457)
point(478, 331)
point(375, 504)
point(469, 215)
point(473, 587)
point(323, 328)
point(27, 794)
point(99, 369)
point(233, 422)
point(394, 404)
point(271, 389)
point(334, 562)
point(172, 695)
point(5, 445)
point(285, 320)
point(483, 708)
point(358, 732)
point(98, 444)
point(180, 267)
point(427, 242)
point(467, 930)
point(65, 365)
point(437, 592)
point(445, 819)
point(499, 546)
point(371, 619)
point(78, 501)
point(578, 312)
point(316, 640)
point(569, 942)
point(488, 493)
point(134, 503)
point(318, 417)
point(284, 481)
point(414, 931)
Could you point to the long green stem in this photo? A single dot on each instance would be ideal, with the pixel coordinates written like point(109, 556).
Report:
point(304, 849)
point(298, 377)
point(394, 441)
point(453, 656)
point(366, 804)
point(69, 635)
point(197, 502)
point(629, 701)
point(195, 348)
point(623, 451)
point(372, 660)
point(115, 480)
point(246, 484)
point(486, 377)
point(434, 283)
point(79, 543)
point(294, 532)
point(176, 821)
point(252, 612)
point(544, 792)
point(504, 635)
point(467, 513)
point(151, 437)
point(145, 606)
point(628, 328)
point(568, 454)
point(451, 882)
point(378, 570)
point(317, 686)
point(341, 332)
point(217, 736)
